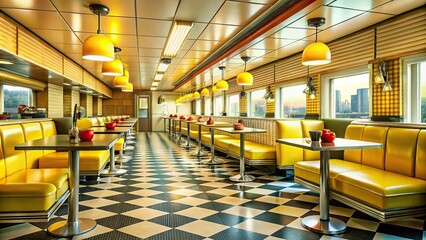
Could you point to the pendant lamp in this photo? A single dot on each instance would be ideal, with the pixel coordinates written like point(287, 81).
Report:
point(245, 78)
point(316, 53)
point(222, 85)
point(205, 92)
point(128, 87)
point(121, 81)
point(113, 68)
point(196, 95)
point(98, 47)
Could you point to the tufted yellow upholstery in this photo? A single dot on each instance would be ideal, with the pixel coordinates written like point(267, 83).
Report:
point(401, 147)
point(101, 121)
point(288, 155)
point(311, 125)
point(23, 189)
point(354, 132)
point(224, 143)
point(48, 129)
point(184, 131)
point(374, 157)
point(253, 151)
point(207, 137)
point(92, 161)
point(421, 156)
point(32, 131)
point(194, 134)
point(94, 121)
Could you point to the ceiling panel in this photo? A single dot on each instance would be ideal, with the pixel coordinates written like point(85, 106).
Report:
point(218, 32)
point(116, 8)
point(198, 10)
point(364, 5)
point(202, 45)
point(109, 25)
point(400, 6)
point(154, 28)
point(272, 43)
point(151, 42)
point(38, 19)
point(237, 13)
point(294, 33)
point(27, 4)
point(269, 2)
point(197, 54)
point(158, 9)
point(150, 52)
point(55, 36)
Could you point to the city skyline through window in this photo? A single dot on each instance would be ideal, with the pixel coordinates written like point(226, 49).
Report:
point(293, 101)
point(351, 96)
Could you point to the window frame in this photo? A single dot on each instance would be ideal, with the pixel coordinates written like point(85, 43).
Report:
point(219, 111)
point(327, 110)
point(207, 107)
point(198, 107)
point(411, 89)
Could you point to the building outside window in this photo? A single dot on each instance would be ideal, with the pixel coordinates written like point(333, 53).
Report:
point(218, 105)
point(257, 103)
point(346, 95)
point(233, 104)
point(207, 106)
point(15, 96)
point(293, 101)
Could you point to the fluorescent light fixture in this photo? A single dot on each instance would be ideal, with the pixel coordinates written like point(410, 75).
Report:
point(177, 36)
point(158, 76)
point(66, 84)
point(5, 61)
point(164, 64)
point(153, 88)
point(155, 84)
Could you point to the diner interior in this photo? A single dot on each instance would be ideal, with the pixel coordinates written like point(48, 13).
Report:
point(213, 119)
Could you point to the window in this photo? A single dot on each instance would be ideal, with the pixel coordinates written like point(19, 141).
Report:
point(207, 106)
point(198, 107)
point(257, 103)
point(414, 85)
point(346, 95)
point(233, 104)
point(218, 105)
point(15, 96)
point(293, 101)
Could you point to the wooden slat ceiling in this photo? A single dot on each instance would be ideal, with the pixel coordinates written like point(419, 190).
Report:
point(141, 27)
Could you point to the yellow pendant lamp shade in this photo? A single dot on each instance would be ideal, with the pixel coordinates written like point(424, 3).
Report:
point(121, 81)
point(196, 95)
point(113, 68)
point(222, 85)
point(245, 79)
point(98, 47)
point(205, 92)
point(128, 87)
point(316, 53)
point(214, 89)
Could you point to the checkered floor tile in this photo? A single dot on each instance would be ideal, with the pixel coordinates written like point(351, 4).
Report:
point(167, 194)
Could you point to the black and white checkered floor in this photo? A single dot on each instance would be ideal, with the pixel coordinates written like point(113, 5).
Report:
point(168, 195)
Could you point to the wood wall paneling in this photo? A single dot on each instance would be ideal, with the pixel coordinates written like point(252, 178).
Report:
point(55, 96)
point(7, 35)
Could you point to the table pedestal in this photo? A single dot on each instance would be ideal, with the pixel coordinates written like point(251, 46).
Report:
point(112, 171)
point(199, 152)
point(73, 225)
point(188, 143)
point(242, 177)
point(212, 160)
point(324, 224)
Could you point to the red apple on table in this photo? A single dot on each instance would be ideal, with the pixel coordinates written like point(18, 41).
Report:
point(122, 119)
point(327, 135)
point(241, 121)
point(171, 115)
point(190, 118)
point(110, 125)
point(86, 135)
point(182, 117)
point(210, 121)
point(200, 119)
point(116, 120)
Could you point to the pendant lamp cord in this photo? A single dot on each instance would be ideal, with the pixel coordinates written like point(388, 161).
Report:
point(99, 24)
point(316, 33)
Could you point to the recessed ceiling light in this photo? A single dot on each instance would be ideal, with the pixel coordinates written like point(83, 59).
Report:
point(66, 84)
point(158, 76)
point(155, 84)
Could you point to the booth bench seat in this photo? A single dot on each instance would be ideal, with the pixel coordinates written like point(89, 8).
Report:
point(27, 193)
point(254, 153)
point(386, 183)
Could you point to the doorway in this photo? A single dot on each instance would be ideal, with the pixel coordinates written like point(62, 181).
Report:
point(143, 112)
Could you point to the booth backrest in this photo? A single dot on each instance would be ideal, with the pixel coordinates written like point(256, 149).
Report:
point(84, 123)
point(311, 125)
point(109, 119)
point(2, 161)
point(403, 152)
point(94, 121)
point(14, 159)
point(32, 131)
point(48, 128)
point(100, 121)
